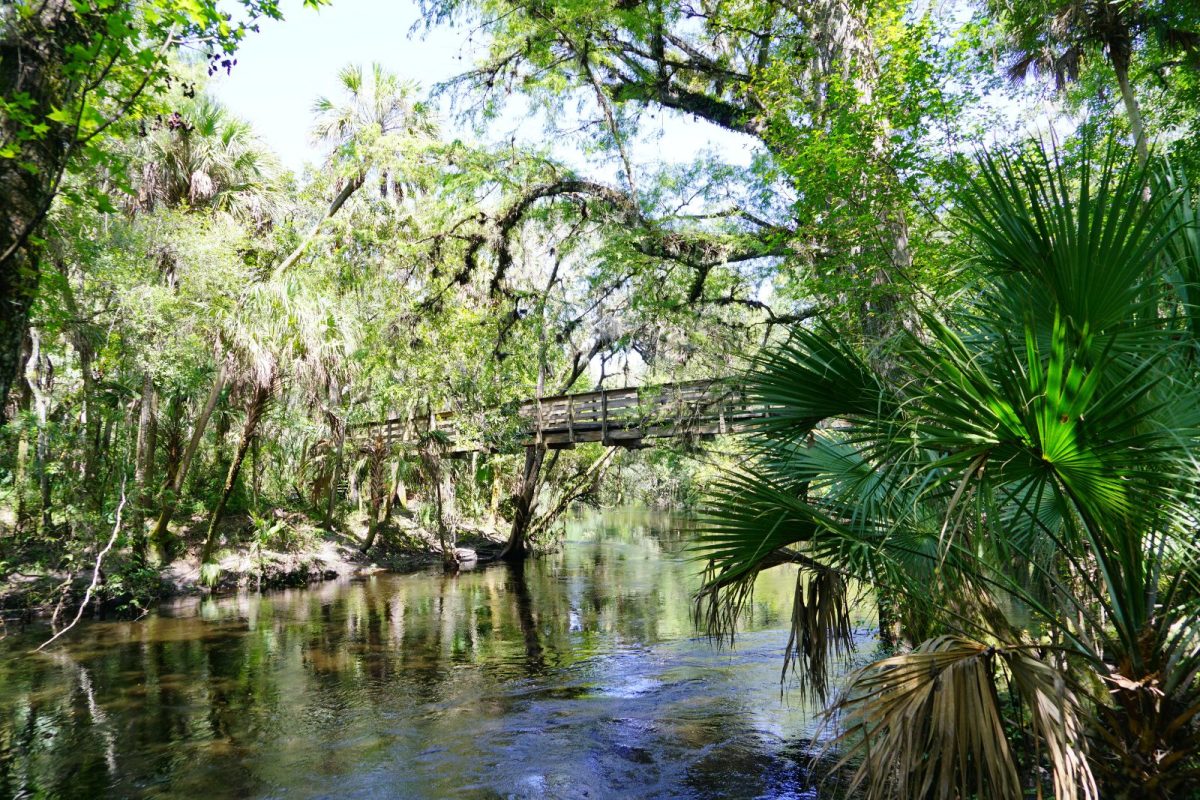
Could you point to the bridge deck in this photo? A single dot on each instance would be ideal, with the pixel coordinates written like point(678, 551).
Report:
point(614, 417)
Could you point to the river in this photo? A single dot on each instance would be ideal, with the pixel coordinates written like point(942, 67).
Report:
point(580, 676)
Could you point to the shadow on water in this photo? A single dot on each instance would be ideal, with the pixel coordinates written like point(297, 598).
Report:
point(577, 675)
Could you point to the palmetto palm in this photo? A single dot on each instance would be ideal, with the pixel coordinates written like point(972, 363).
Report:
point(1056, 36)
point(208, 158)
point(373, 128)
point(372, 104)
point(284, 332)
point(369, 127)
point(1024, 477)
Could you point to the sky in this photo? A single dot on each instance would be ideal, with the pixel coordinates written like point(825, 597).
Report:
point(287, 65)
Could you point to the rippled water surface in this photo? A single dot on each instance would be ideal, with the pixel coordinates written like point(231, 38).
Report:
point(579, 676)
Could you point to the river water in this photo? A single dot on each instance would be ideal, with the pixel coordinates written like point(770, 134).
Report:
point(580, 676)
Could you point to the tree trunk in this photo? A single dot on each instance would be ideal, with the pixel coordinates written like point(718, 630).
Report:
point(151, 450)
point(350, 188)
point(106, 462)
point(159, 536)
point(21, 475)
point(174, 444)
point(524, 505)
point(447, 518)
point(143, 455)
point(376, 486)
point(40, 378)
point(91, 420)
point(442, 485)
point(497, 494)
point(397, 492)
point(254, 415)
point(443, 504)
point(571, 489)
point(337, 429)
point(34, 47)
point(19, 479)
point(1133, 110)
point(256, 472)
point(18, 286)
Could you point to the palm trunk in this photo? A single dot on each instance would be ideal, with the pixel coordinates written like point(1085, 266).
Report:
point(376, 487)
point(1133, 111)
point(159, 536)
point(337, 429)
point(40, 376)
point(143, 455)
point(254, 415)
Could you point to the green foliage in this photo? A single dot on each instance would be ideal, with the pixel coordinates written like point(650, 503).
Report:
point(132, 589)
point(1033, 450)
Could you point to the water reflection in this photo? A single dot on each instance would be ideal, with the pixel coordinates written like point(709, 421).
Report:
point(577, 676)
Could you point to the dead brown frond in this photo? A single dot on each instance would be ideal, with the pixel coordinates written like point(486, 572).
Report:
point(820, 626)
point(720, 601)
point(820, 630)
point(928, 724)
point(1053, 710)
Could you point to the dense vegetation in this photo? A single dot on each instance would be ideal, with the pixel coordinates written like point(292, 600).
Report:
point(959, 265)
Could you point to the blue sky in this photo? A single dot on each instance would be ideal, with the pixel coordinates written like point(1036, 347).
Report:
point(282, 69)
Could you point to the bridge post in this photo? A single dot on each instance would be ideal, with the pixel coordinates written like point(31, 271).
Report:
point(604, 416)
point(570, 418)
point(537, 437)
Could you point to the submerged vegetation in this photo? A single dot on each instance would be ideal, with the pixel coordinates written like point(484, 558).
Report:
point(951, 252)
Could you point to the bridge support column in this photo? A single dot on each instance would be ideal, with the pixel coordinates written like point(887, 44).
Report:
point(524, 504)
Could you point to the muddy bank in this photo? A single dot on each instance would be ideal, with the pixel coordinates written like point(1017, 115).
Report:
point(285, 550)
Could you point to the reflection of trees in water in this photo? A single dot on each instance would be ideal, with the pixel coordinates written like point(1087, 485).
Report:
point(518, 586)
point(264, 683)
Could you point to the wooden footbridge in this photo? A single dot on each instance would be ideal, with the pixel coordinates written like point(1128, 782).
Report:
point(614, 417)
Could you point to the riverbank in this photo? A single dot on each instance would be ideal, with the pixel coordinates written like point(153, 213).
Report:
point(283, 550)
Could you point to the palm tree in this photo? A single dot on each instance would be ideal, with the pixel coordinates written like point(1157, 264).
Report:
point(1056, 36)
point(282, 331)
point(365, 131)
point(1024, 479)
point(204, 157)
point(201, 158)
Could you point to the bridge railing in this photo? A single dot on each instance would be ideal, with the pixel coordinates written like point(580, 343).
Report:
point(612, 416)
